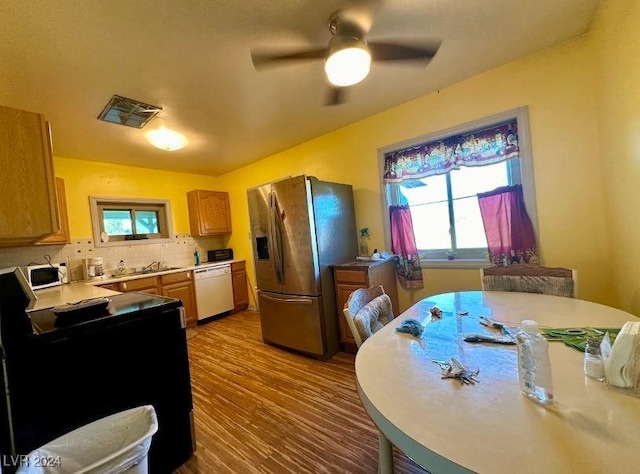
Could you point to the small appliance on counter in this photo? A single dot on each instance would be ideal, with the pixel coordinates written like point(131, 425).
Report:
point(93, 268)
point(219, 255)
point(47, 275)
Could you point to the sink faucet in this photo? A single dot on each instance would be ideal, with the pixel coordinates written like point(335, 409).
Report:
point(121, 270)
point(150, 266)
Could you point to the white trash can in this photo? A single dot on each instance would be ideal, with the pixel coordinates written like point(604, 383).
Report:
point(114, 444)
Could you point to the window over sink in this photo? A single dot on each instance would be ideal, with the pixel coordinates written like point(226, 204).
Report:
point(129, 221)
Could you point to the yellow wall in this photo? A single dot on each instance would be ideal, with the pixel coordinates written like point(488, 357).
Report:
point(616, 40)
point(585, 130)
point(558, 85)
point(84, 178)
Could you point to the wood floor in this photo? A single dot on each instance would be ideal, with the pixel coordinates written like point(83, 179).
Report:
point(259, 409)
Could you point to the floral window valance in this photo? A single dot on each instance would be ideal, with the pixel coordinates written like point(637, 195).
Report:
point(475, 148)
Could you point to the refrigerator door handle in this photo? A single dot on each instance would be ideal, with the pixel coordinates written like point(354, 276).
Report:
point(289, 300)
point(274, 241)
point(270, 238)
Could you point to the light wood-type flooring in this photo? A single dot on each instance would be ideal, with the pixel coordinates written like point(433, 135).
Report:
point(260, 409)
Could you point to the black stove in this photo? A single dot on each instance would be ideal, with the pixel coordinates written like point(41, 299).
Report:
point(48, 323)
point(61, 374)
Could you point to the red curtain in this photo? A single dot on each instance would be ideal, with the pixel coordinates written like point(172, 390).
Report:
point(509, 231)
point(403, 245)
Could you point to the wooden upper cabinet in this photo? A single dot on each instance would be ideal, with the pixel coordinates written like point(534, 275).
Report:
point(28, 208)
point(209, 213)
point(62, 236)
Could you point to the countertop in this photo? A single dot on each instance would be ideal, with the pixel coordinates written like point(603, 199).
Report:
point(363, 263)
point(69, 293)
point(86, 289)
point(107, 280)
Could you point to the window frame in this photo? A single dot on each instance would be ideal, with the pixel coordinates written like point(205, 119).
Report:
point(162, 206)
point(521, 115)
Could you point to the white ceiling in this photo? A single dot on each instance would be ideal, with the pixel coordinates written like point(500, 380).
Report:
point(66, 58)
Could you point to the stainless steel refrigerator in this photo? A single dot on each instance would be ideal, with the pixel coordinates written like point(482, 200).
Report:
point(300, 226)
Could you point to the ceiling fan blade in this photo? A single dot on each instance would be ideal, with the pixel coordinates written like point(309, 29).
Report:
point(399, 52)
point(271, 59)
point(336, 96)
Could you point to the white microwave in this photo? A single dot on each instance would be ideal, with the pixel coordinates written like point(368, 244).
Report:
point(45, 276)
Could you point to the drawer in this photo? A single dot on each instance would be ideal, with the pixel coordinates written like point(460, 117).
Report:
point(350, 276)
point(237, 266)
point(139, 284)
point(177, 277)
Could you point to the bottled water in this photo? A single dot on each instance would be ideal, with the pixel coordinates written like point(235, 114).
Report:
point(534, 368)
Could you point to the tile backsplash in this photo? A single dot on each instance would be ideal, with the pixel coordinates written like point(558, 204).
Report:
point(178, 253)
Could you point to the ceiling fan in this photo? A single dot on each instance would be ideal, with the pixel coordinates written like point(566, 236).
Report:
point(348, 56)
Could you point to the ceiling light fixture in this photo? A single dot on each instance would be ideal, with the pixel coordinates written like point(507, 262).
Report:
point(348, 61)
point(166, 139)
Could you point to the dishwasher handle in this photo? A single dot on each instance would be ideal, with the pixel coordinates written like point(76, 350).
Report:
point(213, 272)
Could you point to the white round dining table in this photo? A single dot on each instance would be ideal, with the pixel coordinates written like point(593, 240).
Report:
point(490, 426)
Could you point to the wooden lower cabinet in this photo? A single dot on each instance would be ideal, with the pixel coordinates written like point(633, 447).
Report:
point(111, 286)
point(174, 285)
point(180, 285)
point(141, 285)
point(240, 288)
point(354, 275)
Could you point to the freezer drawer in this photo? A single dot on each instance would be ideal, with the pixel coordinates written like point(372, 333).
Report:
point(294, 322)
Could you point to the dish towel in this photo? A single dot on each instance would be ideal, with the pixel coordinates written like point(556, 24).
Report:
point(411, 326)
point(622, 368)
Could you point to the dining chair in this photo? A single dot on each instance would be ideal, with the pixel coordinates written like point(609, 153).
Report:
point(529, 278)
point(367, 310)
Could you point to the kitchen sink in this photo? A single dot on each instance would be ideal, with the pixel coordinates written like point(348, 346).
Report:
point(144, 272)
point(156, 270)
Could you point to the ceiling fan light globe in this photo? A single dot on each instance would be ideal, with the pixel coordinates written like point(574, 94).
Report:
point(348, 66)
point(166, 139)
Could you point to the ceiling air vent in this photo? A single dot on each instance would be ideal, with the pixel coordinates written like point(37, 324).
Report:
point(131, 113)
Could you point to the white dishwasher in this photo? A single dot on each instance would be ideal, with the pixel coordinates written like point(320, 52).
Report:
point(214, 290)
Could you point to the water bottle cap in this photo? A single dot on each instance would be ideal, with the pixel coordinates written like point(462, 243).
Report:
point(530, 326)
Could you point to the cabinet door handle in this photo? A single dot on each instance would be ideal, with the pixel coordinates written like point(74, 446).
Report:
point(124, 286)
point(189, 276)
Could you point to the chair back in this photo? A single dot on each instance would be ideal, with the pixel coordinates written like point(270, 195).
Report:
point(367, 311)
point(530, 278)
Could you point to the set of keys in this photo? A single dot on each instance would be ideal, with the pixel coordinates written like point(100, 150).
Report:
point(453, 368)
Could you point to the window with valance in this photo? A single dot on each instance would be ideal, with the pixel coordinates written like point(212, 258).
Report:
point(477, 148)
point(438, 179)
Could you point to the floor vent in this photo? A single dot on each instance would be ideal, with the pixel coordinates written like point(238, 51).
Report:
point(129, 112)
